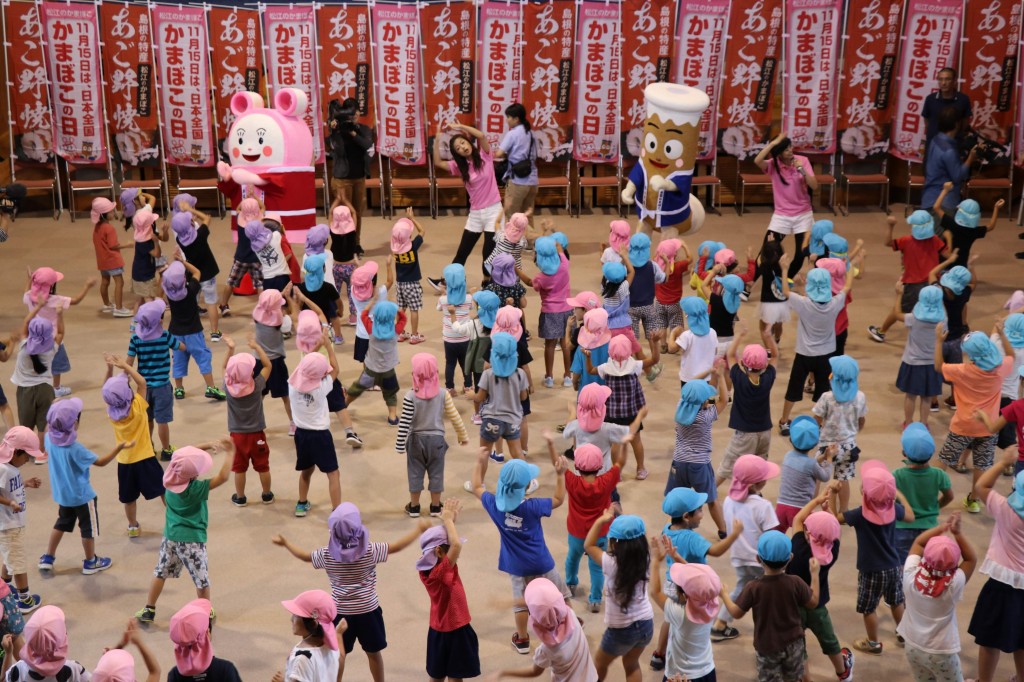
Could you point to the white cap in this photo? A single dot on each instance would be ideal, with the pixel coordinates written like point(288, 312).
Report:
point(676, 103)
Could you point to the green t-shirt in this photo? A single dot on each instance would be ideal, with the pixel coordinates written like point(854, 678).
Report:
point(921, 487)
point(187, 515)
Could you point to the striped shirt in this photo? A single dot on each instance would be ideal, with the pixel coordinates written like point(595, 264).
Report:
point(502, 245)
point(154, 358)
point(353, 585)
point(449, 333)
point(413, 420)
point(693, 442)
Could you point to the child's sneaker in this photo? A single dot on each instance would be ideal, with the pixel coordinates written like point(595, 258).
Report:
point(549, 382)
point(238, 500)
point(847, 674)
point(351, 320)
point(435, 510)
point(122, 312)
point(876, 335)
point(867, 646)
point(566, 382)
point(657, 661)
point(654, 372)
point(417, 338)
point(28, 603)
point(477, 419)
point(267, 498)
point(225, 311)
point(412, 511)
point(62, 391)
point(216, 337)
point(532, 487)
point(179, 394)
point(354, 440)
point(404, 336)
point(134, 531)
point(338, 340)
point(95, 565)
point(108, 308)
point(972, 505)
point(728, 632)
point(498, 457)
point(784, 427)
point(302, 508)
point(215, 393)
point(594, 606)
point(166, 454)
point(145, 615)
point(522, 646)
point(46, 562)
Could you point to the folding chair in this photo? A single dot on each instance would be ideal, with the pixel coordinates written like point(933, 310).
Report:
point(560, 181)
point(825, 175)
point(879, 179)
point(914, 181)
point(710, 181)
point(88, 179)
point(408, 183)
point(193, 181)
point(757, 179)
point(51, 185)
point(594, 181)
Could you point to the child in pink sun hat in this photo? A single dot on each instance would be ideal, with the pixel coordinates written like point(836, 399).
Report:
point(308, 387)
point(271, 322)
point(44, 654)
point(190, 631)
point(406, 241)
point(17, 448)
point(118, 665)
point(346, 260)
point(594, 336)
point(317, 656)
point(244, 387)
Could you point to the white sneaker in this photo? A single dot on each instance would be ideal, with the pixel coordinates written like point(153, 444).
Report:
point(122, 312)
point(62, 391)
point(107, 308)
point(532, 488)
point(567, 382)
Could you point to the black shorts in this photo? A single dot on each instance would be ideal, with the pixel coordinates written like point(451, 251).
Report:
point(277, 282)
point(360, 348)
point(3, 398)
point(841, 342)
point(623, 421)
point(802, 366)
point(277, 381)
point(454, 654)
point(526, 407)
point(1008, 434)
point(144, 478)
point(336, 398)
point(315, 449)
point(368, 628)
point(86, 515)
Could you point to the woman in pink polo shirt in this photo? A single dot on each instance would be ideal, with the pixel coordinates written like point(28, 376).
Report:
point(792, 181)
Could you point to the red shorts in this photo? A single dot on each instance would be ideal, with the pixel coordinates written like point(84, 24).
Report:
point(786, 515)
point(250, 446)
point(628, 333)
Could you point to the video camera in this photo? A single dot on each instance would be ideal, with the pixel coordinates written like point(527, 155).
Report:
point(988, 149)
point(342, 115)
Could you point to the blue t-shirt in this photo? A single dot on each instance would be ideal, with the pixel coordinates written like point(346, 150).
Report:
point(154, 357)
point(518, 144)
point(876, 545)
point(751, 405)
point(641, 289)
point(690, 544)
point(143, 266)
point(523, 550)
point(69, 473)
point(598, 357)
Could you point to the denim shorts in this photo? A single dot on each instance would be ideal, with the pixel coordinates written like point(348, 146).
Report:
point(620, 641)
point(113, 272)
point(209, 289)
point(61, 364)
point(492, 430)
point(700, 477)
point(196, 348)
point(161, 403)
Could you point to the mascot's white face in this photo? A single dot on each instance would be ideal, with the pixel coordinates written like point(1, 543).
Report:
point(256, 140)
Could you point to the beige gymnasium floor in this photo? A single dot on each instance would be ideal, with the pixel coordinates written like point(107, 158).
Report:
point(250, 576)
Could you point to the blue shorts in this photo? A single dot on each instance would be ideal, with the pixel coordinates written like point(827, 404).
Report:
point(336, 398)
point(315, 449)
point(113, 272)
point(209, 290)
point(145, 478)
point(492, 430)
point(196, 348)
point(526, 407)
point(368, 628)
point(700, 477)
point(161, 403)
point(61, 363)
point(620, 641)
point(277, 382)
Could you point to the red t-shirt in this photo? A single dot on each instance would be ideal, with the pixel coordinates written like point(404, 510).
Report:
point(104, 240)
point(1014, 413)
point(587, 501)
point(843, 319)
point(670, 292)
point(448, 607)
point(920, 256)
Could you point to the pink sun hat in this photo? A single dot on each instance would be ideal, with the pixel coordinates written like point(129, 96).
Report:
point(594, 332)
point(186, 464)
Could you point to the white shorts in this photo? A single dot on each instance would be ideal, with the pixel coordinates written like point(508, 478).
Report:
point(12, 549)
point(723, 346)
point(774, 313)
point(484, 219)
point(797, 224)
point(209, 289)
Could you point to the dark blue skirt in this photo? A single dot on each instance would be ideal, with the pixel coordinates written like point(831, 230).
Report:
point(919, 380)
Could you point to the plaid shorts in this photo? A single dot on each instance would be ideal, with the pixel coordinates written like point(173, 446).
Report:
point(781, 666)
point(238, 270)
point(191, 555)
point(872, 586)
point(645, 314)
point(666, 317)
point(983, 450)
point(410, 295)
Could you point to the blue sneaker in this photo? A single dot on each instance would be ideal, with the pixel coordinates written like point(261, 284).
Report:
point(497, 456)
point(46, 562)
point(95, 565)
point(28, 603)
point(302, 508)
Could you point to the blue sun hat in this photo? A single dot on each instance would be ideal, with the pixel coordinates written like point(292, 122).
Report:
point(804, 433)
point(774, 546)
point(504, 354)
point(956, 279)
point(681, 501)
point(639, 249)
point(613, 272)
point(561, 238)
point(712, 247)
point(1016, 498)
point(515, 475)
point(487, 307)
point(929, 307)
point(1014, 329)
point(819, 285)
point(691, 397)
point(922, 225)
point(627, 527)
point(982, 351)
point(845, 372)
point(696, 310)
point(455, 284)
point(547, 255)
point(732, 287)
point(968, 213)
point(818, 231)
point(384, 314)
point(837, 245)
point(313, 271)
point(917, 443)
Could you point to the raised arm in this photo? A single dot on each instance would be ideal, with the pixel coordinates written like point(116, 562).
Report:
point(995, 216)
point(221, 477)
point(89, 284)
point(933, 275)
point(594, 534)
point(410, 537)
point(762, 156)
point(481, 139)
point(937, 206)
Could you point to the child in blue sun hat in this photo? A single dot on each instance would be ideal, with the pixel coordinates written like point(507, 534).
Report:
point(927, 489)
point(802, 471)
point(963, 228)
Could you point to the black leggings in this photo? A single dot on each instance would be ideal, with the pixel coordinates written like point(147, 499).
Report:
point(468, 242)
point(798, 254)
point(455, 352)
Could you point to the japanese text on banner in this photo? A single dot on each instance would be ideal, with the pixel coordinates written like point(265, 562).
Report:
point(700, 60)
point(547, 74)
point(755, 30)
point(290, 63)
point(237, 62)
point(598, 85)
point(930, 39)
point(31, 126)
point(812, 56)
point(343, 34)
point(870, 44)
point(184, 67)
point(646, 59)
point(500, 61)
point(400, 124)
point(449, 70)
point(73, 58)
point(128, 69)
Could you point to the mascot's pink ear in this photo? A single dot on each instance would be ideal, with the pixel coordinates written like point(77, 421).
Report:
point(245, 102)
point(291, 102)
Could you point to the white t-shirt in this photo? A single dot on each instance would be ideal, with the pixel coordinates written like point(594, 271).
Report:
point(25, 374)
point(639, 606)
point(1011, 384)
point(757, 516)
point(11, 488)
point(929, 623)
point(603, 438)
point(272, 258)
point(697, 354)
point(312, 664)
point(569, 661)
point(840, 420)
point(689, 644)
point(309, 410)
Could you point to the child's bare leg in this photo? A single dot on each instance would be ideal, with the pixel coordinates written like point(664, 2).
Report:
point(105, 289)
point(336, 326)
point(414, 498)
point(304, 477)
point(844, 495)
point(130, 509)
point(240, 483)
point(264, 481)
point(435, 498)
point(178, 382)
point(837, 664)
point(522, 617)
point(344, 418)
point(287, 409)
point(155, 589)
point(638, 453)
point(414, 320)
point(163, 431)
point(89, 546)
point(334, 488)
point(208, 378)
point(376, 661)
point(55, 538)
point(119, 292)
point(549, 357)
point(925, 409)
point(8, 416)
point(213, 312)
point(908, 408)
point(203, 592)
point(524, 435)
point(716, 515)
point(889, 321)
point(515, 449)
point(871, 626)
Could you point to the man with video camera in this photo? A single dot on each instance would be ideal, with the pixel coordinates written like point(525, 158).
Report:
point(351, 143)
point(943, 163)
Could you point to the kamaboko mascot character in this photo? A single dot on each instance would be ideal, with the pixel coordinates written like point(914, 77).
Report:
point(271, 152)
point(659, 183)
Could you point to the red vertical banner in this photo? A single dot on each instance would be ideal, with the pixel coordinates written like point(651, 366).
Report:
point(870, 45)
point(646, 59)
point(990, 55)
point(700, 59)
point(809, 75)
point(449, 67)
point(931, 37)
point(183, 71)
point(128, 69)
point(291, 62)
point(237, 61)
point(598, 83)
point(500, 64)
point(343, 39)
point(31, 122)
point(547, 75)
point(71, 33)
point(755, 33)
point(396, 60)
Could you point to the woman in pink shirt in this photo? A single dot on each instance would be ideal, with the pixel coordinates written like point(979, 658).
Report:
point(792, 183)
point(472, 160)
